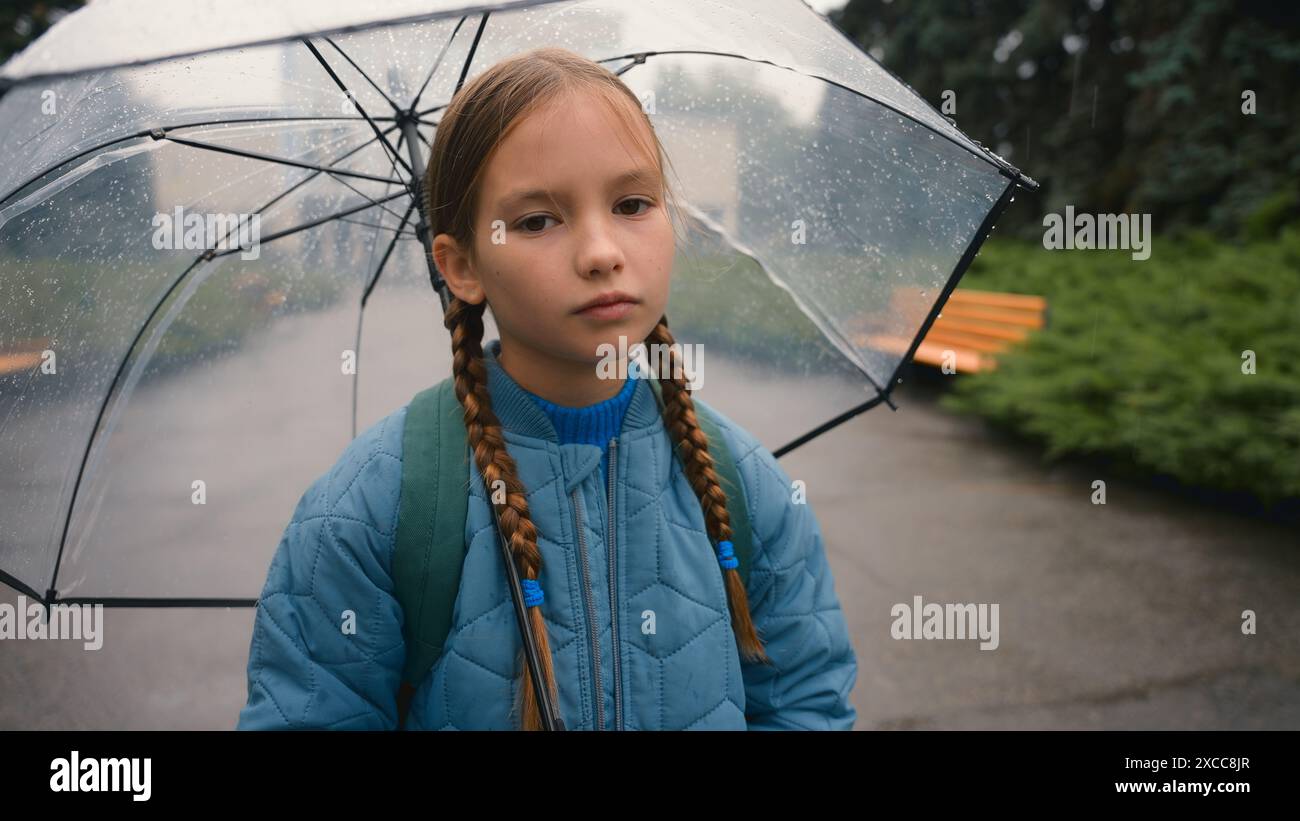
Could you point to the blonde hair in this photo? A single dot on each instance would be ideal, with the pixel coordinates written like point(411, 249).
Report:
point(474, 123)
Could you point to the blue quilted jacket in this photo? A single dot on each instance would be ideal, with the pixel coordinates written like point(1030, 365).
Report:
point(635, 605)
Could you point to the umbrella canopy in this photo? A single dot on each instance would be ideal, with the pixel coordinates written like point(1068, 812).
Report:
point(205, 221)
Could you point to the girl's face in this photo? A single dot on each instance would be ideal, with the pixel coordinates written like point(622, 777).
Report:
point(561, 221)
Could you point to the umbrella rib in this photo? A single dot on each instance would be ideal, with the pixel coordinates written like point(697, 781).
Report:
point(433, 69)
point(379, 269)
point(825, 426)
point(313, 176)
point(967, 257)
point(374, 225)
point(392, 169)
point(637, 59)
point(20, 586)
point(396, 234)
point(257, 155)
point(396, 109)
point(1006, 169)
point(149, 132)
point(212, 254)
point(51, 598)
point(357, 105)
point(367, 197)
point(361, 314)
point(473, 47)
point(365, 295)
point(157, 601)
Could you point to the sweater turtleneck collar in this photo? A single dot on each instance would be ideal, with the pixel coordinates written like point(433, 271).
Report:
point(593, 424)
point(634, 407)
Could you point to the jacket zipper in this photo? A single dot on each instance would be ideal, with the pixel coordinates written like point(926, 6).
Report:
point(591, 614)
point(613, 598)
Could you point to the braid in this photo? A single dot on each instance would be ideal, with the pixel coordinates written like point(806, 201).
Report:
point(693, 445)
point(465, 321)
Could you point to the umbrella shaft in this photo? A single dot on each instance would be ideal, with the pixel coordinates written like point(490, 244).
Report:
point(412, 138)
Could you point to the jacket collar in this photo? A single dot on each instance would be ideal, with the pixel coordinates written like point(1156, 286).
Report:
point(520, 414)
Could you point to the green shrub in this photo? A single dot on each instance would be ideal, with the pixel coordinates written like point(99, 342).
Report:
point(1142, 361)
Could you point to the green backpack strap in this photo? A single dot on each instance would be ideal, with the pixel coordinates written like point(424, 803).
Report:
point(724, 465)
point(430, 544)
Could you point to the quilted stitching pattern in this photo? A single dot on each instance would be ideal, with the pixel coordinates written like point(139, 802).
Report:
point(306, 666)
point(679, 665)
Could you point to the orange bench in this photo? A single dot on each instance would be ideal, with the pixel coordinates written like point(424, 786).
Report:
point(23, 355)
point(972, 329)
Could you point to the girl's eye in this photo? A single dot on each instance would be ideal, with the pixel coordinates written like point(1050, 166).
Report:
point(529, 224)
point(634, 201)
point(526, 221)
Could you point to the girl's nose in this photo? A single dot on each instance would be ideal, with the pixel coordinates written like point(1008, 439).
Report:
point(599, 252)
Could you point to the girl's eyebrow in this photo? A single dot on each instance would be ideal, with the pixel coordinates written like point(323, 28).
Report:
point(517, 198)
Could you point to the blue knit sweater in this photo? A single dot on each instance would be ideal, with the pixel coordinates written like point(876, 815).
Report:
point(594, 424)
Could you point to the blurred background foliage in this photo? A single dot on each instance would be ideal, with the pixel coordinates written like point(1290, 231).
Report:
point(1114, 106)
point(22, 21)
point(1141, 365)
point(1125, 106)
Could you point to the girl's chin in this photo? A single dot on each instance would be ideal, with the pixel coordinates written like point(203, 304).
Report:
point(619, 335)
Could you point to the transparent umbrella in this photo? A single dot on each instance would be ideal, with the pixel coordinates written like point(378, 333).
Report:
point(214, 268)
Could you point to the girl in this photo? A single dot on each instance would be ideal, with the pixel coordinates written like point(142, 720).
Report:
point(546, 193)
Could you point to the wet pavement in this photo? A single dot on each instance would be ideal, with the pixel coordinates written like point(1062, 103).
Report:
point(1126, 615)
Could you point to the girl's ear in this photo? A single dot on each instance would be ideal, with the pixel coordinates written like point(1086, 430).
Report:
point(456, 269)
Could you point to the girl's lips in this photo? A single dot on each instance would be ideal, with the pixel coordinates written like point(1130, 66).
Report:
point(616, 310)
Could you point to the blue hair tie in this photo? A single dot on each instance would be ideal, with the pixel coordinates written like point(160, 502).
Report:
point(532, 592)
point(726, 557)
